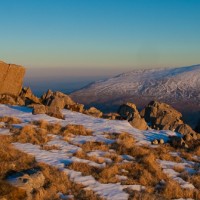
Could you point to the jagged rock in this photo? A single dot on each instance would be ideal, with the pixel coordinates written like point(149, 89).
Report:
point(38, 109)
point(11, 78)
point(129, 112)
point(161, 116)
point(56, 99)
point(93, 112)
point(28, 97)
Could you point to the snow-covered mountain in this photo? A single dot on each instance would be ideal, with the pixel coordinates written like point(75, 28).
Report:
point(172, 85)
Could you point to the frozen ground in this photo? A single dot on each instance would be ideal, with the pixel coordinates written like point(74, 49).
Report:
point(64, 155)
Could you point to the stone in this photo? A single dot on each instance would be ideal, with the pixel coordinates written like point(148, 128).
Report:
point(56, 99)
point(161, 141)
point(185, 129)
point(93, 112)
point(28, 97)
point(130, 113)
point(11, 78)
point(155, 142)
point(38, 109)
point(162, 116)
point(54, 112)
point(139, 123)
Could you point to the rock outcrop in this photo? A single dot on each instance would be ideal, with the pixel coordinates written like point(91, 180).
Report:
point(28, 97)
point(162, 116)
point(129, 112)
point(11, 78)
point(56, 99)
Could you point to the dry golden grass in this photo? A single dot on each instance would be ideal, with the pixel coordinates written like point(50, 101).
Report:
point(12, 160)
point(76, 130)
point(108, 174)
point(173, 190)
point(85, 169)
point(52, 128)
point(82, 155)
point(30, 134)
point(91, 146)
point(125, 140)
point(55, 181)
point(10, 120)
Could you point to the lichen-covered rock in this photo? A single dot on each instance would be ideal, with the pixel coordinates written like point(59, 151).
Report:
point(11, 78)
point(129, 112)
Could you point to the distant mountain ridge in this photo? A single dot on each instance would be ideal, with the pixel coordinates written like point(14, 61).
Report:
point(171, 85)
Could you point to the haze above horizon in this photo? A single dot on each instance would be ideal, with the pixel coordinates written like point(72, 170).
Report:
point(106, 34)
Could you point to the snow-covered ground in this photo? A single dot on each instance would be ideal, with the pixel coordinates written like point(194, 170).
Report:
point(97, 125)
point(64, 155)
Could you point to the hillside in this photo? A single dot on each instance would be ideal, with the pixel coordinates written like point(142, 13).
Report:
point(82, 157)
point(171, 84)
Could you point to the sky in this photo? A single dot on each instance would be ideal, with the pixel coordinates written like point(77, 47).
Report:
point(100, 34)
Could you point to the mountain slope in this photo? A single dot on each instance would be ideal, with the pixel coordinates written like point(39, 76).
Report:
point(174, 85)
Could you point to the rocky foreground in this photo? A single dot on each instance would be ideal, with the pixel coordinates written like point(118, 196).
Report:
point(54, 148)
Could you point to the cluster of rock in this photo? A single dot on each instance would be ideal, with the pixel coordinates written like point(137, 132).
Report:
point(159, 116)
point(51, 103)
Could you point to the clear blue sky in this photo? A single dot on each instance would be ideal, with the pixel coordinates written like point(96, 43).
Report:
point(100, 33)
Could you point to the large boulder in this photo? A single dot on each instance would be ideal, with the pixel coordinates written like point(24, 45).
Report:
point(129, 112)
point(11, 78)
point(163, 117)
